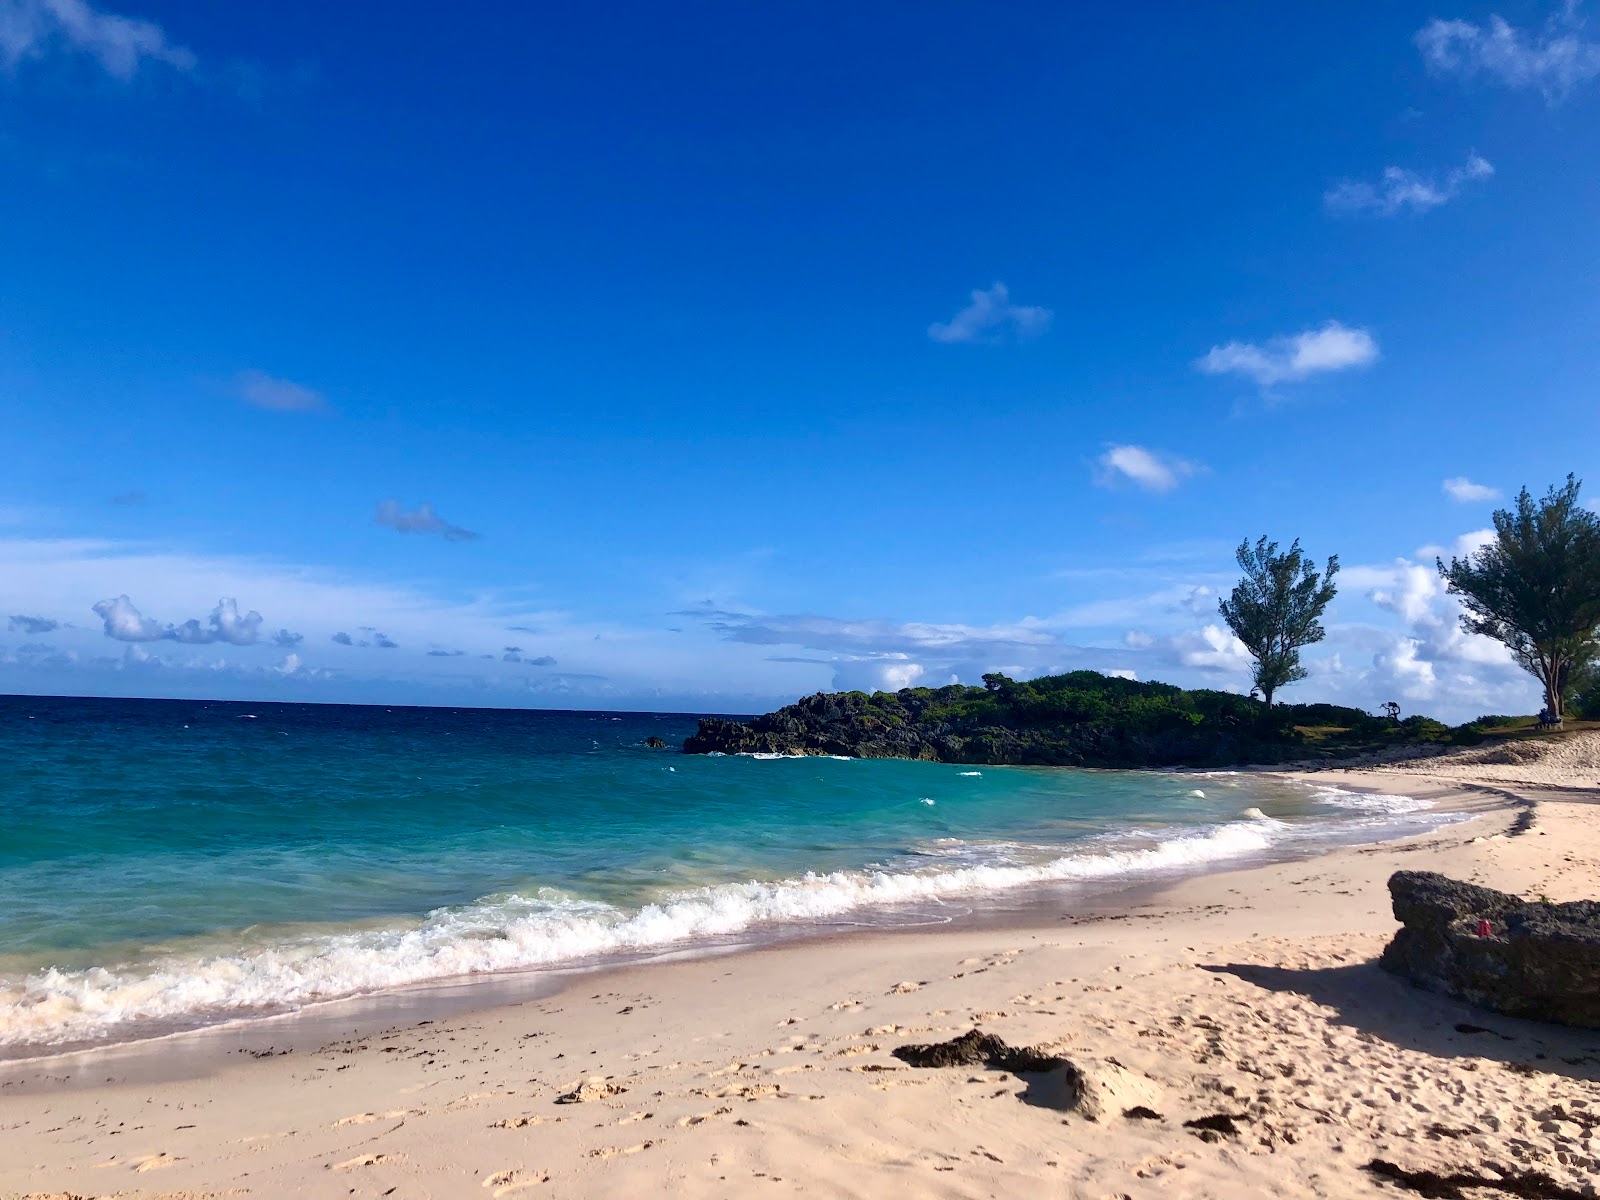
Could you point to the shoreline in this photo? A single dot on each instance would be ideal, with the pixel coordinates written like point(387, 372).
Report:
point(768, 1071)
point(193, 1049)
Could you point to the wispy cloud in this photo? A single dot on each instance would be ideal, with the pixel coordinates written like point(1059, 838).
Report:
point(31, 29)
point(991, 317)
point(1464, 491)
point(1145, 468)
point(1552, 61)
point(277, 395)
point(1401, 190)
point(1293, 357)
point(421, 519)
point(286, 639)
point(125, 623)
point(32, 626)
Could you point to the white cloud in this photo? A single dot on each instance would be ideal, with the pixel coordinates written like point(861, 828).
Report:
point(1463, 547)
point(1137, 639)
point(991, 317)
point(1400, 189)
point(32, 28)
point(1151, 471)
point(1413, 675)
point(421, 519)
point(1212, 648)
point(1464, 491)
point(1294, 357)
point(1552, 61)
point(1123, 673)
point(32, 626)
point(277, 395)
point(124, 622)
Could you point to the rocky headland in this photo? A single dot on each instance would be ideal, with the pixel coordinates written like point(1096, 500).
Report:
point(1080, 719)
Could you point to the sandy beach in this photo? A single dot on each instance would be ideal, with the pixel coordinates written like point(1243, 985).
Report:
point(1251, 993)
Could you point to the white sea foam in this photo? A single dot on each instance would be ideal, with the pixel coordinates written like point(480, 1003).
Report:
point(509, 932)
point(1370, 802)
point(1198, 794)
point(971, 774)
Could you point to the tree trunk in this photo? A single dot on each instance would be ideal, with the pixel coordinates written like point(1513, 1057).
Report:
point(1266, 694)
point(1552, 686)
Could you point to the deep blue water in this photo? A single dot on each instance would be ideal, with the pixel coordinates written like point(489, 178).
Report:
point(165, 863)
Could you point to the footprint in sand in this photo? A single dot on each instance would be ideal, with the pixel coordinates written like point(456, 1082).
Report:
point(153, 1162)
point(613, 1151)
point(853, 1051)
point(702, 1118)
point(904, 986)
point(360, 1160)
point(364, 1118)
point(524, 1122)
point(843, 1005)
point(633, 1117)
point(504, 1183)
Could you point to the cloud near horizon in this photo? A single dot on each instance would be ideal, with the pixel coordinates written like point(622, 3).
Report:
point(1147, 469)
point(991, 317)
point(125, 623)
point(1400, 189)
point(30, 29)
point(1293, 357)
point(421, 519)
point(32, 626)
point(1553, 61)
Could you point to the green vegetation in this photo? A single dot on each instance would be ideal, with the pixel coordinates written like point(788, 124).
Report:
point(1277, 608)
point(1536, 588)
point(1081, 718)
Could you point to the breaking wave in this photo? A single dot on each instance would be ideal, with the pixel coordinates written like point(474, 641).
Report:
point(550, 928)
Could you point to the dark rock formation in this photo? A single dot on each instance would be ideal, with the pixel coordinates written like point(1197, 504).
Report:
point(655, 743)
point(1080, 719)
point(975, 1048)
point(1530, 1185)
point(1539, 960)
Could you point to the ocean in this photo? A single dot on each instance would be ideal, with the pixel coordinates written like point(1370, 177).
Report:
point(168, 864)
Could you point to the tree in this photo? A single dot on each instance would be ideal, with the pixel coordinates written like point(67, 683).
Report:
point(1536, 588)
point(1277, 608)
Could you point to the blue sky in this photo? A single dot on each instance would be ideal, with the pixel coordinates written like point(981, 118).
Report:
point(703, 357)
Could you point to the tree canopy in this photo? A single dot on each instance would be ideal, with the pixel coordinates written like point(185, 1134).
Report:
point(1277, 608)
point(1536, 588)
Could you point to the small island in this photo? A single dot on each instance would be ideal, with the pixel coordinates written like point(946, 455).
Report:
point(1080, 719)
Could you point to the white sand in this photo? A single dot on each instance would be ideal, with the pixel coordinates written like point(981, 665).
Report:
point(768, 1073)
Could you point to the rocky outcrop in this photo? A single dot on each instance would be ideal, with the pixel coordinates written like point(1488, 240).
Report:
point(1080, 719)
point(1095, 1089)
point(1536, 960)
point(978, 1049)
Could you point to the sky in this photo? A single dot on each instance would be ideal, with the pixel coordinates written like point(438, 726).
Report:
point(700, 357)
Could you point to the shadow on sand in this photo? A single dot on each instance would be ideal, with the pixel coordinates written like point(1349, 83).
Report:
point(1374, 1002)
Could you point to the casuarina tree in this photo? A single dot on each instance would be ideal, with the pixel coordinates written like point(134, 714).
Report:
point(1277, 608)
point(1536, 588)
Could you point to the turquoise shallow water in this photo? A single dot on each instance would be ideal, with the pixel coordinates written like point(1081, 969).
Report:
point(170, 863)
